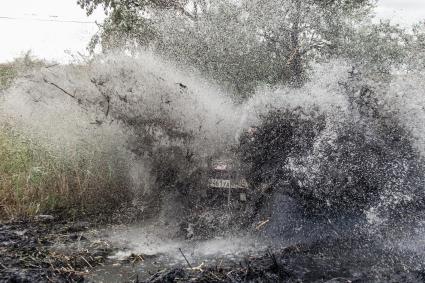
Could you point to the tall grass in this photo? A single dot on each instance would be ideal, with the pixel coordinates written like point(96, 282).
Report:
point(9, 71)
point(7, 74)
point(34, 181)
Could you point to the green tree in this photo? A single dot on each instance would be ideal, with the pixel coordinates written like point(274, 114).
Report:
point(307, 29)
point(240, 44)
point(415, 49)
point(376, 49)
point(128, 22)
point(261, 41)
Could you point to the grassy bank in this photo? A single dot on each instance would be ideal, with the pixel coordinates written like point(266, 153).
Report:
point(7, 73)
point(34, 181)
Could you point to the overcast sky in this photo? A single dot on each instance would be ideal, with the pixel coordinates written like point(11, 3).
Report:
point(404, 12)
point(42, 25)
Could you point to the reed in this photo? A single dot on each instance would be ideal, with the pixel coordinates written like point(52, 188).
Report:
point(34, 181)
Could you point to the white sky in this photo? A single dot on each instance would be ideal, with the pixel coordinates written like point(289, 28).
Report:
point(31, 25)
point(404, 12)
point(34, 28)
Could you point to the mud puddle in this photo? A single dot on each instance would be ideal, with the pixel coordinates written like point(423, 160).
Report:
point(52, 251)
point(143, 251)
point(55, 251)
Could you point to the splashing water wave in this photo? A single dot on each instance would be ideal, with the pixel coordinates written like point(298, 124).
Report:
point(364, 159)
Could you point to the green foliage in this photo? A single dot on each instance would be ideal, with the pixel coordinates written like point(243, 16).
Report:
point(7, 74)
point(123, 25)
point(347, 5)
point(129, 21)
point(91, 5)
point(376, 49)
point(241, 45)
point(415, 49)
point(224, 45)
point(259, 42)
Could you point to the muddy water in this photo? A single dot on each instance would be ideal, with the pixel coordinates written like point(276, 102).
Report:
point(145, 250)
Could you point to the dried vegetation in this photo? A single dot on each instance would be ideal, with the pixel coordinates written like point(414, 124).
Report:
point(35, 181)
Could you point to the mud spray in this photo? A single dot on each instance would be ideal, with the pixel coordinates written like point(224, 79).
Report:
point(348, 164)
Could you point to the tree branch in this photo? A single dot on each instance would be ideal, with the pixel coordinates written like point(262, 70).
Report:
point(58, 87)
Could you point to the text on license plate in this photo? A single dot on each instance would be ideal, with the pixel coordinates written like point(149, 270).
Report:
point(219, 183)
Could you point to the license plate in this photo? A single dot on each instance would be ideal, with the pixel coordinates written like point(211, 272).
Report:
point(219, 183)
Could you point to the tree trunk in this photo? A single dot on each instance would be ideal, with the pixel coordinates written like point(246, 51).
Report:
point(296, 60)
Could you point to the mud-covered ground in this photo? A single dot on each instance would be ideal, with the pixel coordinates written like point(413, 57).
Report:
point(31, 251)
point(315, 262)
point(47, 250)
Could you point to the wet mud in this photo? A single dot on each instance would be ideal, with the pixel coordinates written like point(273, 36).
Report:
point(31, 251)
point(334, 261)
point(47, 250)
